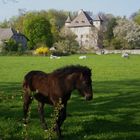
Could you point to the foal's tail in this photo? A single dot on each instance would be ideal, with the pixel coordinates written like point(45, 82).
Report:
point(27, 82)
point(26, 87)
point(27, 94)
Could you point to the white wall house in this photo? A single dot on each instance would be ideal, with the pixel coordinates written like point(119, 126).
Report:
point(86, 29)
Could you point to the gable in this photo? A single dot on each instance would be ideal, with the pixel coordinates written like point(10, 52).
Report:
point(82, 20)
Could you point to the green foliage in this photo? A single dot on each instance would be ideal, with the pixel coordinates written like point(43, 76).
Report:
point(67, 44)
point(38, 30)
point(65, 47)
point(4, 24)
point(116, 43)
point(12, 46)
point(18, 24)
point(109, 32)
point(106, 43)
point(57, 17)
point(137, 17)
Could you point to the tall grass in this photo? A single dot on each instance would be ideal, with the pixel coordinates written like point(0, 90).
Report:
point(112, 115)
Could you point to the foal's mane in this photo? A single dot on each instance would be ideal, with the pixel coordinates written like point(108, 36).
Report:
point(72, 68)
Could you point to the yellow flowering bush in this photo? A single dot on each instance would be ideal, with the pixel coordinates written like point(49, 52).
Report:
point(42, 51)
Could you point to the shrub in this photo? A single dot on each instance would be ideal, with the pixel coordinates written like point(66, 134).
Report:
point(117, 43)
point(12, 47)
point(42, 50)
point(65, 47)
point(106, 43)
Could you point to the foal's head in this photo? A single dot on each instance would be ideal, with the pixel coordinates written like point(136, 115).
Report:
point(84, 84)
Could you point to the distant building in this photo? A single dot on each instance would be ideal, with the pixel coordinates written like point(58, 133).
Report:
point(86, 29)
point(10, 33)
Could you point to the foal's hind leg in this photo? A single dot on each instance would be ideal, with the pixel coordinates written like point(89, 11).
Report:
point(41, 113)
point(27, 102)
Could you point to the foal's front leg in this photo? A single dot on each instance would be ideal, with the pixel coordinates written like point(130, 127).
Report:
point(41, 113)
point(60, 120)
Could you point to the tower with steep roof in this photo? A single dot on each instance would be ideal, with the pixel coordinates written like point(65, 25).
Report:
point(68, 21)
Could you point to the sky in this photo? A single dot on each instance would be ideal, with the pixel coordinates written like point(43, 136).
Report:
point(9, 9)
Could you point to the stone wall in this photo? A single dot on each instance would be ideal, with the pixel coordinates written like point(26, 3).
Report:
point(121, 51)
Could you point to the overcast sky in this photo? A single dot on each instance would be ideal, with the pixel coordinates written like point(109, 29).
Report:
point(115, 7)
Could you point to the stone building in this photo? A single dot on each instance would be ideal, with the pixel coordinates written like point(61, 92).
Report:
point(87, 30)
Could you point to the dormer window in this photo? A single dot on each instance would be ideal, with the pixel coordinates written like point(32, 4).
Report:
point(83, 21)
point(76, 21)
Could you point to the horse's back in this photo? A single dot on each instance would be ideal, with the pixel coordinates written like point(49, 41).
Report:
point(28, 78)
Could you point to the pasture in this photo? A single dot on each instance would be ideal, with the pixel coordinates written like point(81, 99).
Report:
point(113, 114)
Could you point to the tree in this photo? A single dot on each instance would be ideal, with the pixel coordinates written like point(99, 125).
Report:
point(18, 25)
point(128, 31)
point(5, 24)
point(38, 30)
point(137, 17)
point(57, 20)
point(109, 35)
point(109, 25)
point(57, 17)
point(67, 43)
point(12, 46)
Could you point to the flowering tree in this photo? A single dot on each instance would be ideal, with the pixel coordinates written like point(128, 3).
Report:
point(128, 31)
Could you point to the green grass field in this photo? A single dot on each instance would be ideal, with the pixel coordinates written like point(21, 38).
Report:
point(114, 114)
